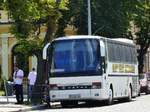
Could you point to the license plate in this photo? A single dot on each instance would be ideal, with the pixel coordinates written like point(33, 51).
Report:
point(74, 96)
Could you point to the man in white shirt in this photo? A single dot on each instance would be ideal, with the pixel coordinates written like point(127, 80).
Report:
point(32, 79)
point(18, 81)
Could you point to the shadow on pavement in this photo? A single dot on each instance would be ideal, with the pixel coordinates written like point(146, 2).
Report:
point(80, 105)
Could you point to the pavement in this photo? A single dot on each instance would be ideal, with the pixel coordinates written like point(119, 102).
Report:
point(7, 104)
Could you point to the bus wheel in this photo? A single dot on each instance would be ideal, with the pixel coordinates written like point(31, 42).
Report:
point(110, 99)
point(68, 103)
point(64, 103)
point(48, 104)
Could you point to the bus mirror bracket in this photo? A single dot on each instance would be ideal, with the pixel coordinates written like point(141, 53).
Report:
point(102, 46)
point(45, 51)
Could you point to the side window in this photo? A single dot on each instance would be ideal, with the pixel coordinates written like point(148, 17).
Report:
point(123, 53)
point(127, 54)
point(133, 55)
point(114, 52)
point(111, 52)
point(118, 52)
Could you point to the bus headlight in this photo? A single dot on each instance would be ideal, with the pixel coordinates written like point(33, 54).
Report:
point(96, 85)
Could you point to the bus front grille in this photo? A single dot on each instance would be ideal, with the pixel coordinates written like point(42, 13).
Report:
point(75, 87)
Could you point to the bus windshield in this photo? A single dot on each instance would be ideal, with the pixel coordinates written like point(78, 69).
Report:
point(75, 57)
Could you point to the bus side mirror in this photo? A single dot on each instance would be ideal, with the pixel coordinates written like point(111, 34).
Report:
point(45, 51)
point(102, 48)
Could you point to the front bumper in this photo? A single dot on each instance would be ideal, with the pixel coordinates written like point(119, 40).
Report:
point(80, 95)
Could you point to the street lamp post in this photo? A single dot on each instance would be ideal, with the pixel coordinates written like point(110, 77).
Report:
point(89, 17)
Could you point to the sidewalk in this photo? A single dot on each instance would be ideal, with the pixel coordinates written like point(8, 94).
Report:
point(11, 99)
point(10, 106)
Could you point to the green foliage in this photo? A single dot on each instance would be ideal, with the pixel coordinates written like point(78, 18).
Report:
point(28, 47)
point(109, 18)
point(141, 20)
point(34, 9)
point(2, 93)
point(1, 4)
point(30, 16)
point(79, 19)
point(1, 85)
point(22, 29)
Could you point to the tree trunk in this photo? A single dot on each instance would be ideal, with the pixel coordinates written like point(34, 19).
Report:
point(51, 30)
point(141, 54)
point(42, 68)
point(141, 62)
point(40, 81)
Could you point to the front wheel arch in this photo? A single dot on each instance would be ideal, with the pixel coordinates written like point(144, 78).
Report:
point(111, 95)
point(129, 93)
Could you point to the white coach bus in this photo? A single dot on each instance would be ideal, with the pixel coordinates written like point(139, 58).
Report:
point(85, 68)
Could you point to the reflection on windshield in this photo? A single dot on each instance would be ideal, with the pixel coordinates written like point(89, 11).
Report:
point(74, 56)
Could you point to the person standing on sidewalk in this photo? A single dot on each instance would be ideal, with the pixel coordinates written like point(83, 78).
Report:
point(32, 78)
point(18, 81)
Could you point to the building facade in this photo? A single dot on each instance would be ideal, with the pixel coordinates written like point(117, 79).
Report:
point(7, 44)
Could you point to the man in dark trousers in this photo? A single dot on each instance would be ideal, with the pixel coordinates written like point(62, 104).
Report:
point(18, 81)
point(32, 79)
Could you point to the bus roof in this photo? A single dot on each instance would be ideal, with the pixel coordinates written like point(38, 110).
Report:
point(122, 40)
point(78, 37)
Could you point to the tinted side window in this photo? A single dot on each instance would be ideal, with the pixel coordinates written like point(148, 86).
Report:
point(118, 52)
point(111, 50)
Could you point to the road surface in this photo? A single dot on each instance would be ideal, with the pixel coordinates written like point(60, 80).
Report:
point(139, 104)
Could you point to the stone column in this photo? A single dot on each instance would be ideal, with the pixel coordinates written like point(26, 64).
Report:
point(4, 38)
point(34, 62)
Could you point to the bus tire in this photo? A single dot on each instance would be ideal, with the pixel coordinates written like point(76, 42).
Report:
point(110, 99)
point(68, 103)
point(48, 104)
point(64, 103)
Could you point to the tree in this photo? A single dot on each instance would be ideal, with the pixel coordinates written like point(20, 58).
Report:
point(114, 19)
point(76, 16)
point(30, 16)
point(109, 18)
point(141, 21)
point(1, 4)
